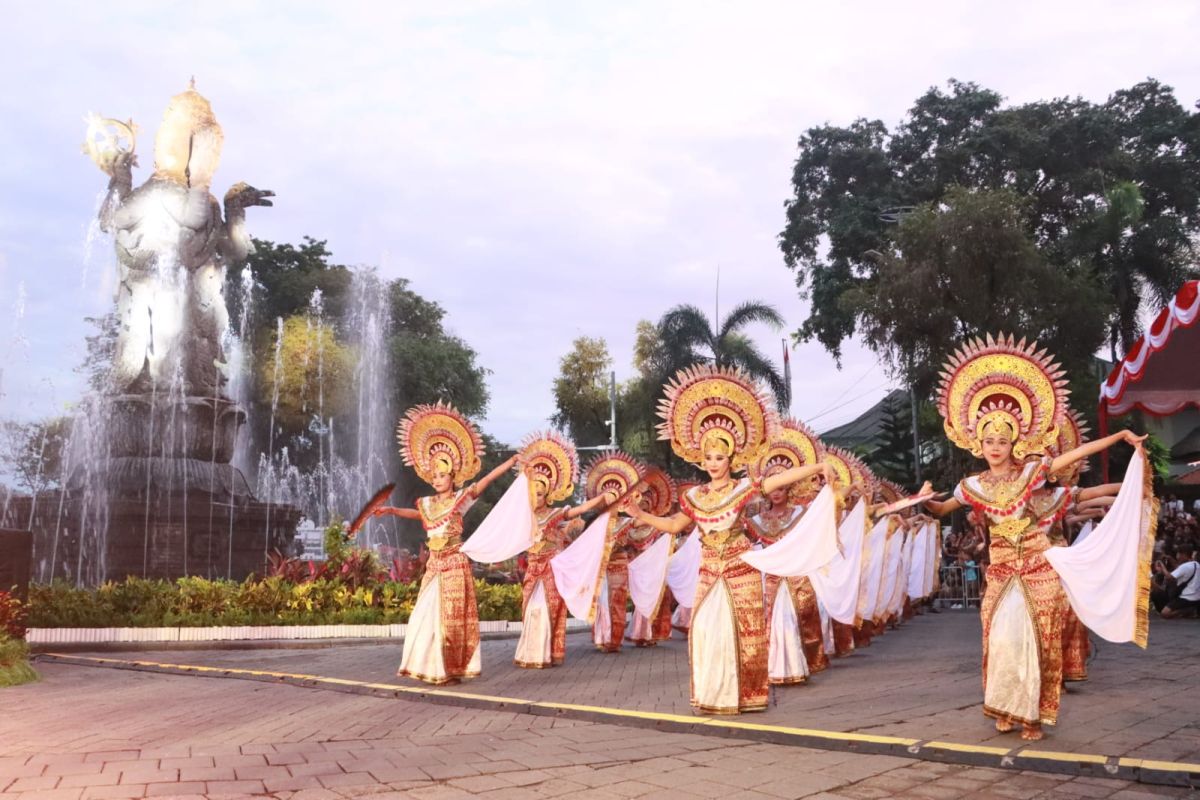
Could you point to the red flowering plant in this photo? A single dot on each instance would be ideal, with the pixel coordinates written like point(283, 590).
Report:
point(12, 616)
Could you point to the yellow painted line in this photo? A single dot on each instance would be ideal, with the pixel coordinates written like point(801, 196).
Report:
point(1166, 766)
point(1053, 755)
point(969, 748)
point(838, 735)
point(623, 712)
point(699, 722)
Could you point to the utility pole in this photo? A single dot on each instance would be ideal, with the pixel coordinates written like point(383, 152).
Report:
point(612, 417)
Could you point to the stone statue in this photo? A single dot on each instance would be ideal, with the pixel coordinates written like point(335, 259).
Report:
point(172, 247)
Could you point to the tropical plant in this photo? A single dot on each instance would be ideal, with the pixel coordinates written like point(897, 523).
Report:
point(688, 337)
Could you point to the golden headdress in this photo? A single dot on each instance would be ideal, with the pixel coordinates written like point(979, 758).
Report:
point(793, 445)
point(1006, 386)
point(612, 471)
point(433, 436)
point(848, 469)
point(550, 459)
point(1072, 432)
point(706, 405)
point(660, 488)
point(889, 492)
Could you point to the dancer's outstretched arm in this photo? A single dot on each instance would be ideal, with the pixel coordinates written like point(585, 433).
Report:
point(1096, 492)
point(1092, 448)
point(394, 511)
point(477, 488)
point(786, 478)
point(606, 499)
point(672, 524)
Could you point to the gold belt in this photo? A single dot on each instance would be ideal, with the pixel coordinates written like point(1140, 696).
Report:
point(719, 539)
point(436, 543)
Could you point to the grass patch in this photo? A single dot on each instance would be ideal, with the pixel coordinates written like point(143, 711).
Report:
point(15, 668)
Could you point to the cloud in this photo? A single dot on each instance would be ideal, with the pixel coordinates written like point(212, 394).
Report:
point(543, 170)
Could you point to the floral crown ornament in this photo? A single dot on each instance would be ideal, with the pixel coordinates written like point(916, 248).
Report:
point(434, 437)
point(548, 458)
point(1072, 432)
point(720, 407)
point(1002, 386)
point(660, 487)
point(612, 471)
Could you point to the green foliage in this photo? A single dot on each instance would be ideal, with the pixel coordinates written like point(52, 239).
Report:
point(1110, 203)
point(14, 662)
point(31, 452)
point(581, 392)
point(12, 616)
point(310, 352)
point(893, 459)
point(287, 276)
point(199, 602)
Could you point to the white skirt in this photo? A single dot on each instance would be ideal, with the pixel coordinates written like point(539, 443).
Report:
point(1014, 677)
point(785, 656)
point(423, 657)
point(533, 648)
point(602, 627)
point(712, 647)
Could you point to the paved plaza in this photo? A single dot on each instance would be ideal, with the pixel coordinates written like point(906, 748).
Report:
point(85, 731)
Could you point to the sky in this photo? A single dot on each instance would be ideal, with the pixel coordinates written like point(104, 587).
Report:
point(544, 170)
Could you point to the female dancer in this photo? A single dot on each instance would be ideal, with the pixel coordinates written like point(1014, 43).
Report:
point(658, 497)
point(441, 644)
point(616, 473)
point(1005, 401)
point(721, 419)
point(552, 466)
point(788, 651)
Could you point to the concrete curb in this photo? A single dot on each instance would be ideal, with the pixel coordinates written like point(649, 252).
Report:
point(1165, 773)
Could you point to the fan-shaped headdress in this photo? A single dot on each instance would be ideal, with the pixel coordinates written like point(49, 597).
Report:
point(716, 406)
point(889, 492)
point(1072, 432)
point(793, 445)
point(660, 488)
point(1002, 386)
point(848, 469)
point(548, 458)
point(437, 437)
point(612, 471)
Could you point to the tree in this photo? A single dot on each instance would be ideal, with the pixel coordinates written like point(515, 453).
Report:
point(314, 374)
point(1063, 157)
point(32, 452)
point(893, 459)
point(964, 268)
point(431, 364)
point(286, 277)
point(687, 338)
point(581, 394)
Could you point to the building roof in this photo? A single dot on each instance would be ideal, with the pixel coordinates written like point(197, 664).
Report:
point(864, 433)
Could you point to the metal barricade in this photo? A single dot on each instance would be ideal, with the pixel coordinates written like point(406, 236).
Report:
point(961, 586)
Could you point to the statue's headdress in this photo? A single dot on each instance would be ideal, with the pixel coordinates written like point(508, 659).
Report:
point(612, 471)
point(716, 406)
point(548, 458)
point(187, 147)
point(1002, 386)
point(660, 487)
point(438, 436)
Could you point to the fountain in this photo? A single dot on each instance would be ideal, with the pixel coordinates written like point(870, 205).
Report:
point(150, 486)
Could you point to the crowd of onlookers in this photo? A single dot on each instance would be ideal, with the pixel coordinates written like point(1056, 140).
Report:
point(1175, 578)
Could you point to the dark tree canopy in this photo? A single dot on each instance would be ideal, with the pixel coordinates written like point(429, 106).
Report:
point(1109, 195)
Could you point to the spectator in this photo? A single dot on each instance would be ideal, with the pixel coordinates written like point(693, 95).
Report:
point(1181, 585)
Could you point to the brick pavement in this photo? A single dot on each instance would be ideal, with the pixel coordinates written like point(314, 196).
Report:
point(921, 682)
point(97, 733)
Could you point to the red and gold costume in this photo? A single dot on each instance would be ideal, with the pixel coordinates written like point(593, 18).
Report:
point(723, 409)
point(1013, 391)
point(549, 460)
point(1077, 647)
point(618, 473)
point(660, 496)
point(794, 445)
point(441, 644)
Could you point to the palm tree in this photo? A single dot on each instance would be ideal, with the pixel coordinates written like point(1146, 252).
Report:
point(687, 337)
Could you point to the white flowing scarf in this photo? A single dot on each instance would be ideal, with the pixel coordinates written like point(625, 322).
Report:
point(683, 570)
point(1107, 577)
point(808, 546)
point(577, 569)
point(836, 583)
point(933, 555)
point(648, 574)
point(508, 528)
point(916, 568)
point(872, 569)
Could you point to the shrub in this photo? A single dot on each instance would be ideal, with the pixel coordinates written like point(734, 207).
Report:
point(14, 662)
point(12, 616)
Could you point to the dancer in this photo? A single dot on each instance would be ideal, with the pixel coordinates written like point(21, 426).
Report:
point(441, 644)
point(648, 570)
point(552, 466)
point(721, 419)
point(1005, 401)
point(788, 653)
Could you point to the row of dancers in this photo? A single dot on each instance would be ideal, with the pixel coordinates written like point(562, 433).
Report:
point(784, 534)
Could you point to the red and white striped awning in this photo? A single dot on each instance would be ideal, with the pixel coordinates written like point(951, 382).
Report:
point(1161, 372)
